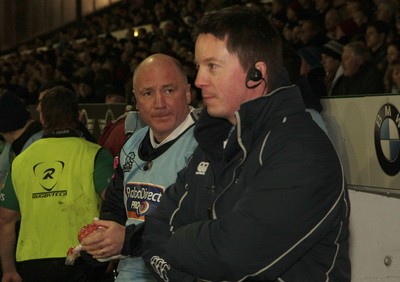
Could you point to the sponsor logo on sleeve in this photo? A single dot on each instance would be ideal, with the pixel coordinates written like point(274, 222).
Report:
point(142, 199)
point(202, 168)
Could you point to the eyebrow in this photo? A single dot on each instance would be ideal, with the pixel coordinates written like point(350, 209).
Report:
point(162, 86)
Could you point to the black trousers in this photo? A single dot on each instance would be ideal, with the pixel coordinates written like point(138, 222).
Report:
point(55, 270)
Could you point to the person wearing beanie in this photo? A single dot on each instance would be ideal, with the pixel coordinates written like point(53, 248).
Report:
point(19, 131)
point(331, 56)
point(17, 127)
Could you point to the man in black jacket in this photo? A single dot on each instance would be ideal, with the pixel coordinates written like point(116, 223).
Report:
point(360, 75)
point(264, 196)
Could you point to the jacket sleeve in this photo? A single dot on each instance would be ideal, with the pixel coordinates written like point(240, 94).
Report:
point(113, 207)
point(158, 231)
point(286, 206)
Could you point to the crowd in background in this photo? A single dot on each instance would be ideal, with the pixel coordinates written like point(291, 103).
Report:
point(100, 66)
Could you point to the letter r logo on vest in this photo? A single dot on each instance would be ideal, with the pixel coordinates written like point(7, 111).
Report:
point(202, 168)
point(48, 173)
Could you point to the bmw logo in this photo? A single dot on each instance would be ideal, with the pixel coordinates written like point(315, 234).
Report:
point(387, 139)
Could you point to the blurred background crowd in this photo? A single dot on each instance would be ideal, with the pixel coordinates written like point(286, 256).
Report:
point(98, 55)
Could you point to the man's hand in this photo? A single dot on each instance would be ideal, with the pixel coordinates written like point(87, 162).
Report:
point(8, 220)
point(11, 277)
point(106, 241)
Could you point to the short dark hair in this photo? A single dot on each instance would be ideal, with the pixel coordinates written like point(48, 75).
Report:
point(249, 34)
point(380, 26)
point(59, 108)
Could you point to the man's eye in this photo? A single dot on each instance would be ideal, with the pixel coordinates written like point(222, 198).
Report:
point(212, 66)
point(169, 90)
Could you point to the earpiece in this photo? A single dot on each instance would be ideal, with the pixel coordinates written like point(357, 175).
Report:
point(253, 74)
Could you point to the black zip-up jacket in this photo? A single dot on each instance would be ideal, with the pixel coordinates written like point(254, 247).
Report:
point(271, 206)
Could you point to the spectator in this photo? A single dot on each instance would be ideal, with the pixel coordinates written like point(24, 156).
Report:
point(312, 69)
point(340, 5)
point(46, 180)
point(86, 93)
point(311, 34)
point(392, 78)
point(149, 162)
point(291, 37)
point(393, 51)
point(361, 18)
point(332, 19)
point(294, 12)
point(322, 7)
point(249, 193)
point(392, 55)
point(331, 58)
point(375, 36)
point(292, 63)
point(386, 10)
point(360, 76)
point(352, 6)
point(346, 30)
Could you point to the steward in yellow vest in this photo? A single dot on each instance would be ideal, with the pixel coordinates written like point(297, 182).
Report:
point(55, 188)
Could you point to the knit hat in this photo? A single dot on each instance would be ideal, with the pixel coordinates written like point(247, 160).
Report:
point(13, 114)
point(333, 49)
point(312, 56)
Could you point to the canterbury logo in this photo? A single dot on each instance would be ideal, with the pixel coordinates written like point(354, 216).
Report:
point(202, 168)
point(161, 267)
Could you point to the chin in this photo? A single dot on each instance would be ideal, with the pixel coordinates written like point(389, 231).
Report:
point(214, 113)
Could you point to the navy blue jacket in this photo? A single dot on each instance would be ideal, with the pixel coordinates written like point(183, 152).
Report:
point(271, 206)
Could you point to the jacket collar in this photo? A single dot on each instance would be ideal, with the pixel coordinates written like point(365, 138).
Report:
point(253, 117)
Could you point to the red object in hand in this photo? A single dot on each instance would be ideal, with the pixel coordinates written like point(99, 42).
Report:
point(86, 230)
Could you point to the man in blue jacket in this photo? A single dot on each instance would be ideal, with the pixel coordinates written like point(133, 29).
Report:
point(264, 196)
point(148, 164)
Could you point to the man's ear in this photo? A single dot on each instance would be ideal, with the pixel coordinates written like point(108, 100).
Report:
point(262, 67)
point(188, 93)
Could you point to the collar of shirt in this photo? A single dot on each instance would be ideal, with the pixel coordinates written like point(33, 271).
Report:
point(181, 128)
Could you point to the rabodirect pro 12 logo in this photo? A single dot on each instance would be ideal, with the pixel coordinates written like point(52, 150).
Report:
point(387, 139)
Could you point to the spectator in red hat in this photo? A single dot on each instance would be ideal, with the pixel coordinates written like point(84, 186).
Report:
point(345, 30)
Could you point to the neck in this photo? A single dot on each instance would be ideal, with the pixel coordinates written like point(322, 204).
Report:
point(14, 135)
